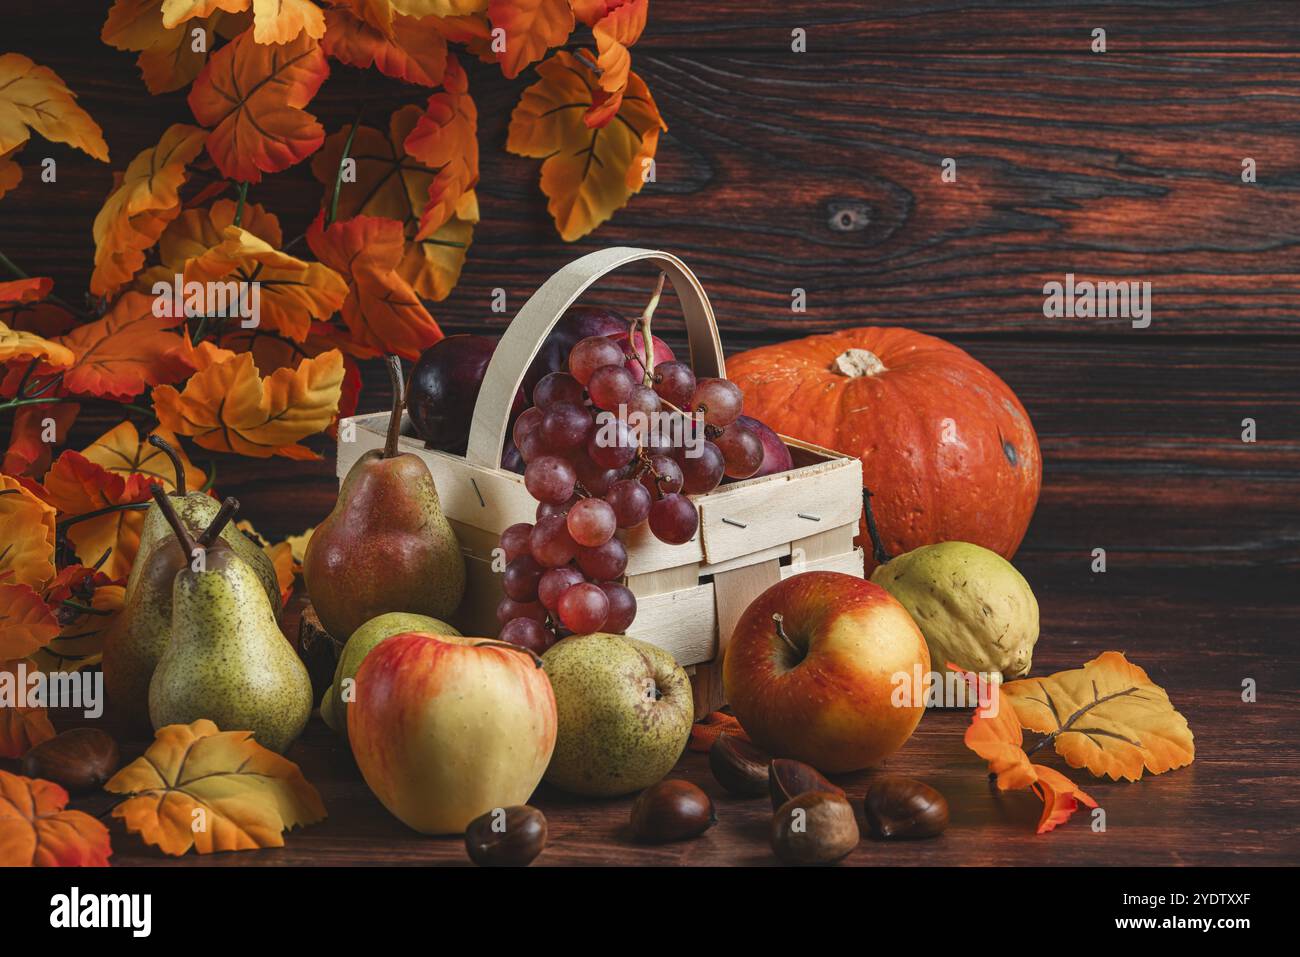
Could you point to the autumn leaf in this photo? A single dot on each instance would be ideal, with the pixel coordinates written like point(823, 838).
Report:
point(1107, 716)
point(122, 450)
point(446, 138)
point(11, 174)
point(1061, 797)
point(26, 535)
point(34, 99)
point(615, 32)
point(531, 28)
point(26, 290)
point(196, 231)
point(274, 21)
point(438, 8)
point(995, 735)
point(18, 346)
point(127, 349)
point(30, 449)
point(80, 488)
point(292, 292)
point(252, 96)
point(168, 59)
point(150, 186)
point(390, 183)
point(227, 407)
point(37, 831)
point(26, 622)
point(411, 50)
point(87, 603)
point(246, 795)
point(587, 174)
point(21, 728)
point(382, 311)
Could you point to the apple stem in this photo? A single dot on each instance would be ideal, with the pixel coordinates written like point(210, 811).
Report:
point(182, 533)
point(490, 643)
point(227, 511)
point(394, 420)
point(778, 619)
point(878, 551)
point(162, 444)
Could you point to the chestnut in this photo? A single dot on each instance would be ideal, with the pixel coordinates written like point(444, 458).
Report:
point(817, 827)
point(739, 766)
point(506, 837)
point(671, 811)
point(898, 807)
point(787, 778)
point(79, 760)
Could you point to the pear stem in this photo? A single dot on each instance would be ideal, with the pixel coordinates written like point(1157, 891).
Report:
point(511, 646)
point(778, 619)
point(182, 533)
point(227, 511)
point(160, 443)
point(878, 551)
point(399, 399)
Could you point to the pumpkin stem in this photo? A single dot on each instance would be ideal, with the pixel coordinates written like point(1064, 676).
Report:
point(858, 363)
point(878, 551)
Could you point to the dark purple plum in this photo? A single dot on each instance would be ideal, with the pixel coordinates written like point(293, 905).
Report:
point(776, 457)
point(444, 387)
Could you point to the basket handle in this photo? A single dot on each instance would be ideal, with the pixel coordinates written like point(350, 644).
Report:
point(524, 336)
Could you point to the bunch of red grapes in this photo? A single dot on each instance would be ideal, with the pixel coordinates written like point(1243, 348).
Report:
point(614, 441)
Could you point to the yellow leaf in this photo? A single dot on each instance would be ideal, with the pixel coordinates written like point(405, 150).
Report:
point(228, 407)
point(587, 174)
point(18, 345)
point(196, 231)
point(438, 8)
point(274, 21)
point(167, 60)
point(1107, 716)
point(26, 622)
point(246, 795)
point(26, 536)
point(33, 98)
point(124, 451)
point(151, 185)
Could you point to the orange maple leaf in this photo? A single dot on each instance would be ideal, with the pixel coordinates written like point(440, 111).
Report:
point(227, 407)
point(77, 487)
point(21, 728)
point(531, 28)
point(615, 32)
point(247, 794)
point(26, 290)
point(148, 193)
point(446, 138)
point(37, 831)
point(88, 603)
point(413, 50)
point(29, 452)
point(274, 21)
point(587, 174)
point(1061, 797)
point(252, 96)
point(26, 535)
point(26, 622)
point(167, 60)
point(382, 311)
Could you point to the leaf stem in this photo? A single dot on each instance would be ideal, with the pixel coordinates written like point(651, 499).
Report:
point(239, 207)
point(99, 512)
point(338, 177)
point(8, 264)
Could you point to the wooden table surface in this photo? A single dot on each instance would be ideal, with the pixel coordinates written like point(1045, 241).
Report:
point(822, 171)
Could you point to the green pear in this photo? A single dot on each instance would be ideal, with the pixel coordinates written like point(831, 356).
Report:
point(334, 704)
point(227, 659)
point(135, 643)
point(386, 546)
point(624, 710)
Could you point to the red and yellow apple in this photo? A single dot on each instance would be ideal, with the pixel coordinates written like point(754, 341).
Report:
point(446, 728)
point(811, 671)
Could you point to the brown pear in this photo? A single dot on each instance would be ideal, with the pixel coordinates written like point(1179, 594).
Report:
point(386, 546)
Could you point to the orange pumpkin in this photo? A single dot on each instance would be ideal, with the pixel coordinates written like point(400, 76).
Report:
point(947, 449)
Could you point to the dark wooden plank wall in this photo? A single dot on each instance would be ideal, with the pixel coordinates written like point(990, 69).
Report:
point(821, 171)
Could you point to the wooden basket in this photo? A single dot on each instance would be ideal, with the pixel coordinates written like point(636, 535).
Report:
point(752, 533)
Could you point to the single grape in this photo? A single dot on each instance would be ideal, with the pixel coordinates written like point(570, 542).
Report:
point(596, 479)
point(550, 479)
point(591, 522)
point(553, 583)
point(514, 540)
point(551, 543)
point(592, 353)
point(531, 445)
point(703, 471)
point(528, 420)
point(546, 509)
point(718, 400)
point(509, 609)
point(604, 562)
point(612, 444)
point(583, 608)
point(566, 425)
point(520, 578)
point(630, 501)
point(622, 607)
point(557, 387)
point(741, 449)
point(675, 383)
point(643, 407)
point(527, 633)
point(663, 477)
point(674, 519)
point(610, 386)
